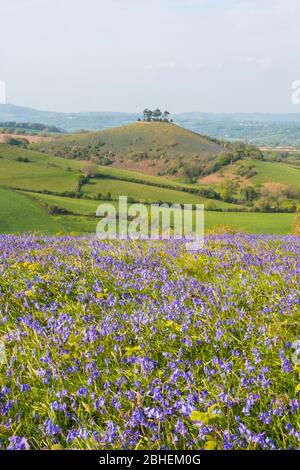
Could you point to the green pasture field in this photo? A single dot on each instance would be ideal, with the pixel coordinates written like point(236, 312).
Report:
point(85, 222)
point(42, 172)
point(19, 214)
point(146, 193)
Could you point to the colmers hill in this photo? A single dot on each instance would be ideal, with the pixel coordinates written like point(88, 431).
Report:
point(152, 147)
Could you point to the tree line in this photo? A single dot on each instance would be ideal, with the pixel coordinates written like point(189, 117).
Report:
point(156, 116)
point(30, 126)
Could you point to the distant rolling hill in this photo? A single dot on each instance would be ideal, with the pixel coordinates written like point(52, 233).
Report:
point(241, 117)
point(259, 128)
point(68, 121)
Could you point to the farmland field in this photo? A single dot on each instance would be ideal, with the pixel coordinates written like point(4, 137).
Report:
point(49, 181)
point(19, 214)
point(38, 171)
point(256, 223)
point(148, 346)
point(267, 172)
point(147, 193)
point(277, 173)
point(119, 173)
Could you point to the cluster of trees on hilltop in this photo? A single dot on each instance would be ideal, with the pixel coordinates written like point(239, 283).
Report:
point(156, 116)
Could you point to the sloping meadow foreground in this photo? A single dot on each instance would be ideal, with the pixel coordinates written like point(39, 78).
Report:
point(147, 346)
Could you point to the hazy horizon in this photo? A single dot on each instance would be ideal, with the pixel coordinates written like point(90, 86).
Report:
point(104, 111)
point(120, 56)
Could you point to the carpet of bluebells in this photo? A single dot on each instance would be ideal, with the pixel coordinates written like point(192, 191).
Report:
point(138, 345)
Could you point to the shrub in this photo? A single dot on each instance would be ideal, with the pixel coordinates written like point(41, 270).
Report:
point(15, 141)
point(23, 160)
point(55, 210)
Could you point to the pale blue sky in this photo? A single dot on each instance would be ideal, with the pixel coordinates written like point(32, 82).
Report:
point(123, 55)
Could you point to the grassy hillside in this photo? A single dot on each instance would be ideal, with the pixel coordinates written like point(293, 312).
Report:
point(136, 153)
point(36, 171)
point(154, 148)
point(282, 173)
point(31, 170)
point(20, 214)
point(153, 137)
point(265, 172)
